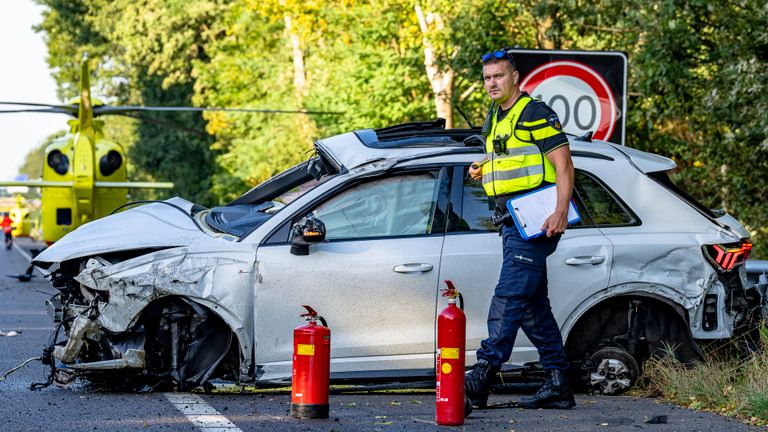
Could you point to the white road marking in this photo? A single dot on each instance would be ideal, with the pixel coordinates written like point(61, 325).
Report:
point(23, 253)
point(203, 416)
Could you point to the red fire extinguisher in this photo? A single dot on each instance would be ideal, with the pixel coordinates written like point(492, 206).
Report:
point(451, 343)
point(311, 368)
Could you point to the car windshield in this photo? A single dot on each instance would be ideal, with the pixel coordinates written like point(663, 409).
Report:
point(289, 196)
point(256, 206)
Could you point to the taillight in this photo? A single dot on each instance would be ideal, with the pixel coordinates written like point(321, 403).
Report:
point(726, 257)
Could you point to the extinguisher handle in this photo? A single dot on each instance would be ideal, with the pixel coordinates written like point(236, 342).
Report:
point(310, 312)
point(451, 292)
point(312, 315)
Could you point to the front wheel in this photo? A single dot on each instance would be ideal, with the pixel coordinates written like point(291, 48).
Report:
point(185, 343)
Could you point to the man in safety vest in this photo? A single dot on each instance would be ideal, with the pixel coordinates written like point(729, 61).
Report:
point(525, 149)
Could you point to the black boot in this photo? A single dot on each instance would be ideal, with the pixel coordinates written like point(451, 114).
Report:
point(478, 382)
point(555, 393)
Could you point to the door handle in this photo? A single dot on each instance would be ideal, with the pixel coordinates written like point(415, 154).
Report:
point(413, 268)
point(594, 260)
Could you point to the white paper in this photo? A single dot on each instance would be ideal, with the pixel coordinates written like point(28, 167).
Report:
point(532, 209)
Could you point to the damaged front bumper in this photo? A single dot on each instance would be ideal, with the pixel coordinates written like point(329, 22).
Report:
point(85, 327)
point(171, 317)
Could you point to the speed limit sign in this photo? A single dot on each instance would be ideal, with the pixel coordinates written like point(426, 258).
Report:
point(586, 89)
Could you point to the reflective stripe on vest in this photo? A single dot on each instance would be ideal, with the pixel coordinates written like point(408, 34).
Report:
point(522, 166)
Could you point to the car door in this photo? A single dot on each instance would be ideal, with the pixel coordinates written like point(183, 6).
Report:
point(472, 257)
point(374, 279)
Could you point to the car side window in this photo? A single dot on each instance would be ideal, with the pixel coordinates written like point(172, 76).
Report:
point(399, 205)
point(476, 207)
point(604, 208)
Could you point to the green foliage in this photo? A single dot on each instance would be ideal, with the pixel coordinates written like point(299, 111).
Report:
point(697, 87)
point(142, 54)
point(757, 405)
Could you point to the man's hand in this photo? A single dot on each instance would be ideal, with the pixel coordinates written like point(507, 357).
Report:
point(476, 170)
point(556, 223)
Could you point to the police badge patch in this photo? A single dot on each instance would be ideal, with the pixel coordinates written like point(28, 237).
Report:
point(554, 122)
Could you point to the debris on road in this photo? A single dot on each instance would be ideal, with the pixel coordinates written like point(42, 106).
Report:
point(5, 375)
point(10, 333)
point(657, 419)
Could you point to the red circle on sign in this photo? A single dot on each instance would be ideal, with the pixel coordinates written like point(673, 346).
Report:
point(589, 77)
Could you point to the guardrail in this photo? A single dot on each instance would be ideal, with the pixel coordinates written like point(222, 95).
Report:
point(755, 268)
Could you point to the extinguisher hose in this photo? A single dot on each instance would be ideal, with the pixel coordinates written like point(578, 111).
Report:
point(322, 321)
point(461, 301)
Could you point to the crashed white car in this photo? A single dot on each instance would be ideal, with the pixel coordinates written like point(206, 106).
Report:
point(365, 231)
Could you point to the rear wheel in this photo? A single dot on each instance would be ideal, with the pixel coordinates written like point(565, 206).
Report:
point(609, 343)
point(613, 370)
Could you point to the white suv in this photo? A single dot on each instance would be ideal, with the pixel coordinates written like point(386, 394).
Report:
point(145, 289)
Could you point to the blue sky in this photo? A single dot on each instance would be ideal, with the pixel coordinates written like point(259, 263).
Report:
point(24, 76)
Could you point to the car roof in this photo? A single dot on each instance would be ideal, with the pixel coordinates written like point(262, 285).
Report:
point(424, 139)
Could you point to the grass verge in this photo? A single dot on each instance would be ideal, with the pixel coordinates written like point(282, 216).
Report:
point(723, 383)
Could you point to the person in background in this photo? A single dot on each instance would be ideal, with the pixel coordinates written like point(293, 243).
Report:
point(7, 230)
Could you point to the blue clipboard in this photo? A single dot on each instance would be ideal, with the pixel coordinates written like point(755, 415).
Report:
point(530, 210)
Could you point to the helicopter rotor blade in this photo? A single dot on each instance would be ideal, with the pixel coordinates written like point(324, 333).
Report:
point(118, 109)
point(164, 123)
point(72, 107)
point(50, 110)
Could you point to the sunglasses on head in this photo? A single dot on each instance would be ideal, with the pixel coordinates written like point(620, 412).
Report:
point(498, 55)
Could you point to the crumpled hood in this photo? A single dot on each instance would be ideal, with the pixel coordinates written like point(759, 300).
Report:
point(155, 225)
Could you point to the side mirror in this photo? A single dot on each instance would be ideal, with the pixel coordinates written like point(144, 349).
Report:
point(305, 232)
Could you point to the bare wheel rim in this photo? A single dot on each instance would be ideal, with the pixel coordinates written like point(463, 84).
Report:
point(614, 370)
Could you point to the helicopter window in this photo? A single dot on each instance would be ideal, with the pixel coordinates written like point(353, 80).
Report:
point(58, 161)
point(110, 162)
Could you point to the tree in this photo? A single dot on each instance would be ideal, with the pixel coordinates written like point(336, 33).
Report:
point(143, 53)
point(697, 90)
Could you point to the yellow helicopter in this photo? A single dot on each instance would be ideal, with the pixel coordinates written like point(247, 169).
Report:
point(20, 217)
point(19, 214)
point(84, 174)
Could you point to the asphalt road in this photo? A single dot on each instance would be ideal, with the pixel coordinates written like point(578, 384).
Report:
point(81, 408)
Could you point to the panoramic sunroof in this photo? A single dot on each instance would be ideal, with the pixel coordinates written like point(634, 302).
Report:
point(416, 135)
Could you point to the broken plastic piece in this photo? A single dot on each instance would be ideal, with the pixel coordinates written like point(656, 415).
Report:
point(657, 419)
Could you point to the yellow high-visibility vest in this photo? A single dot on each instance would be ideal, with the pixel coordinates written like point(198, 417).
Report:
point(522, 165)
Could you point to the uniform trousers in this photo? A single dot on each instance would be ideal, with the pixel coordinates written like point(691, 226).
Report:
point(520, 301)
